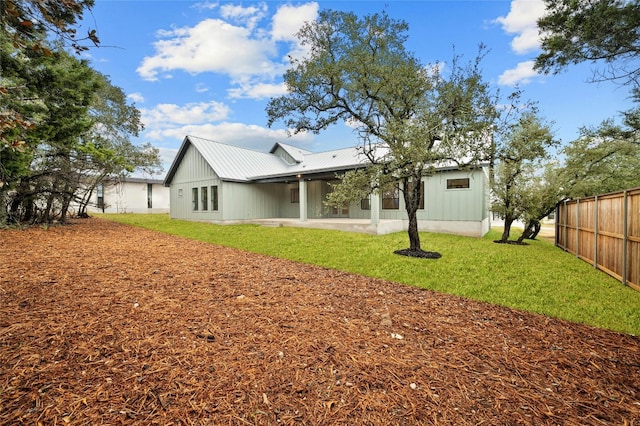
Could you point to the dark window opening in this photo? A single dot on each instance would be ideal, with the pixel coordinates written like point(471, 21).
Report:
point(194, 199)
point(100, 193)
point(149, 196)
point(214, 198)
point(365, 203)
point(458, 183)
point(391, 197)
point(204, 198)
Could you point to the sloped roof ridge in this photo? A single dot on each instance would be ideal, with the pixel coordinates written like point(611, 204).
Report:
point(232, 162)
point(288, 145)
point(226, 144)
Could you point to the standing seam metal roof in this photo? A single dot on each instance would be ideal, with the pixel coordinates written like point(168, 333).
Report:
point(234, 163)
point(239, 164)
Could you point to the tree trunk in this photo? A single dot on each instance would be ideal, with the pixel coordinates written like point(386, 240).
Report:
point(536, 230)
point(414, 236)
point(530, 231)
point(411, 194)
point(507, 229)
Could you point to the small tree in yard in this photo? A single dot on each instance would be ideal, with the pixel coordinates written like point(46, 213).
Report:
point(408, 117)
point(541, 195)
point(520, 156)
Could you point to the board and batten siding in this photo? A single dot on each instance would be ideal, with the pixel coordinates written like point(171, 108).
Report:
point(467, 204)
point(246, 201)
point(462, 211)
point(194, 172)
point(464, 204)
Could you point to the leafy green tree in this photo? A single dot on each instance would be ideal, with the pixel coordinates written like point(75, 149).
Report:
point(80, 132)
point(24, 26)
point(63, 87)
point(519, 157)
point(106, 149)
point(540, 196)
point(602, 32)
point(27, 20)
point(408, 117)
point(598, 31)
point(603, 159)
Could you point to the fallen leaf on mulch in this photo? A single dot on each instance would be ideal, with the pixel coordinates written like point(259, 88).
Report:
point(101, 323)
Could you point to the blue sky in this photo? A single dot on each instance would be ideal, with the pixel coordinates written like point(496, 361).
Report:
point(209, 68)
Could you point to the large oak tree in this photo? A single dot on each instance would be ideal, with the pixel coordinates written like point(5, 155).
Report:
point(408, 117)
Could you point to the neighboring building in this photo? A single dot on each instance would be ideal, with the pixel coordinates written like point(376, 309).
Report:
point(130, 195)
point(215, 182)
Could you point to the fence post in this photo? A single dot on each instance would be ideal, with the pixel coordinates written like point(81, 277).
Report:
point(557, 224)
point(625, 236)
point(578, 227)
point(566, 219)
point(595, 233)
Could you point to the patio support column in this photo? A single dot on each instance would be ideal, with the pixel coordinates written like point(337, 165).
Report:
point(302, 185)
point(375, 208)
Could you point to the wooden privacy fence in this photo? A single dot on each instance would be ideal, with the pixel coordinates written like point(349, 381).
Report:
point(604, 230)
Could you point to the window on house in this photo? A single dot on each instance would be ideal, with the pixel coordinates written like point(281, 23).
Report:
point(295, 195)
point(365, 203)
point(180, 192)
point(458, 183)
point(204, 198)
point(214, 198)
point(100, 193)
point(391, 197)
point(194, 199)
point(149, 196)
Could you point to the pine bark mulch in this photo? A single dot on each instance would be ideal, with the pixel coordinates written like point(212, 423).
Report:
point(101, 323)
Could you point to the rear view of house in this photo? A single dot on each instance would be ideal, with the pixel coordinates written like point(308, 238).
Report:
point(220, 183)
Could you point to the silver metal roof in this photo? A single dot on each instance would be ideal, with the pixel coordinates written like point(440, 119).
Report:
point(234, 163)
point(296, 153)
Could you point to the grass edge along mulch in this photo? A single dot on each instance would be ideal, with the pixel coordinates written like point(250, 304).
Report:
point(537, 278)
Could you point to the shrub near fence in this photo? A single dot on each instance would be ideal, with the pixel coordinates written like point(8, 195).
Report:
point(604, 230)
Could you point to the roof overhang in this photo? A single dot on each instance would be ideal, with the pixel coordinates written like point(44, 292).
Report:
point(325, 174)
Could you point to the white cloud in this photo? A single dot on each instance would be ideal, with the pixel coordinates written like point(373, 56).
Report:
point(238, 134)
point(522, 73)
point(168, 115)
point(234, 45)
point(213, 45)
point(167, 156)
point(206, 5)
point(254, 90)
point(288, 20)
point(201, 88)
point(522, 21)
point(136, 97)
point(249, 16)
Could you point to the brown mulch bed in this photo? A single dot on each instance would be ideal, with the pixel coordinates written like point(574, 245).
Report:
point(101, 323)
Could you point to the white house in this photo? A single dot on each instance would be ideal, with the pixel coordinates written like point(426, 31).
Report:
point(220, 183)
point(130, 195)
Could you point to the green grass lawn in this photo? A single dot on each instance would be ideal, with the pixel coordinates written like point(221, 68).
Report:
point(538, 277)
